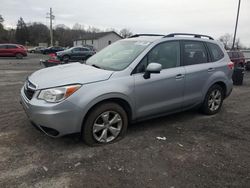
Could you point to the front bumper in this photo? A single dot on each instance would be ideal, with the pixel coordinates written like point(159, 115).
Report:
point(54, 119)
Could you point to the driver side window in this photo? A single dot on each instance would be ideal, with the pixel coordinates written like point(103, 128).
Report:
point(167, 54)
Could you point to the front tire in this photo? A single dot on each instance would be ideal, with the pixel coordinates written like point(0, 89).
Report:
point(213, 100)
point(105, 124)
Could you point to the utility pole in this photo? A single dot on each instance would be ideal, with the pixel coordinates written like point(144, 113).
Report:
point(51, 18)
point(236, 25)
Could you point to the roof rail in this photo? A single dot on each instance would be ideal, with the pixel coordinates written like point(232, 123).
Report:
point(188, 34)
point(153, 35)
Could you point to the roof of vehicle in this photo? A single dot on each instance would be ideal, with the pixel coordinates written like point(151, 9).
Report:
point(92, 36)
point(180, 36)
point(11, 44)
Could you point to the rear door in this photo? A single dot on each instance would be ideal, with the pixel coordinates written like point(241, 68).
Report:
point(76, 53)
point(198, 68)
point(85, 52)
point(12, 50)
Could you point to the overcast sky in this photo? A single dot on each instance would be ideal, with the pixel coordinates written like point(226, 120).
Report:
point(212, 17)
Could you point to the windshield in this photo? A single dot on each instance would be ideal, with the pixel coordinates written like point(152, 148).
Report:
point(118, 56)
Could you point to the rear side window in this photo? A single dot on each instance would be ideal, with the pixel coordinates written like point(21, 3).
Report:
point(215, 51)
point(12, 46)
point(235, 55)
point(84, 49)
point(77, 49)
point(241, 55)
point(230, 54)
point(194, 52)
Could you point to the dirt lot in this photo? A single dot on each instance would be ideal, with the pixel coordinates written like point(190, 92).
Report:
point(199, 151)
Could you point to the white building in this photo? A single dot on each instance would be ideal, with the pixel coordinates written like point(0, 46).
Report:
point(98, 40)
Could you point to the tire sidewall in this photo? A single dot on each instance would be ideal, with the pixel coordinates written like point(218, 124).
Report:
point(205, 107)
point(87, 134)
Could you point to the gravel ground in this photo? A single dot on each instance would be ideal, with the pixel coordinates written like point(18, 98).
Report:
point(199, 151)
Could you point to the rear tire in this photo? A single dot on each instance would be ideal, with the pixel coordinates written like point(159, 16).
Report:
point(213, 100)
point(19, 56)
point(105, 124)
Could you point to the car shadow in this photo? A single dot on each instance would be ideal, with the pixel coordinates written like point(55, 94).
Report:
point(139, 127)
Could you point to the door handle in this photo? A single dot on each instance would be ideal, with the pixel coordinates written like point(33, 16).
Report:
point(211, 69)
point(179, 76)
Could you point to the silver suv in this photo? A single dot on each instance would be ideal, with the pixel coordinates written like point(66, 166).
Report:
point(134, 79)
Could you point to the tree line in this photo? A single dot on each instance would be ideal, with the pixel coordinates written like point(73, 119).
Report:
point(32, 34)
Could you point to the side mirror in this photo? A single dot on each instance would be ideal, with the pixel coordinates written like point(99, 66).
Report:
point(152, 68)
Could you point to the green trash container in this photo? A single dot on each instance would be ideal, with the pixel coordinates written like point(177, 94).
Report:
point(238, 76)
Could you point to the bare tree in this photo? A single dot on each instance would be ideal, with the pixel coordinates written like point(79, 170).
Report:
point(111, 29)
point(238, 44)
point(78, 26)
point(92, 29)
point(1, 19)
point(125, 33)
point(227, 40)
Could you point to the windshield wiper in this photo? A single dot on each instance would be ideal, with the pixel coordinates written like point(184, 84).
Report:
point(96, 66)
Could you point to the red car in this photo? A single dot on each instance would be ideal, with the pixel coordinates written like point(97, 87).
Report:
point(13, 50)
point(52, 61)
point(237, 57)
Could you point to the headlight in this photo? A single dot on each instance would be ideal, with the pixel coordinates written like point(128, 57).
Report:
point(58, 94)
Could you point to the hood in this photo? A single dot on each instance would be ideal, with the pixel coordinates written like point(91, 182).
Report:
point(68, 74)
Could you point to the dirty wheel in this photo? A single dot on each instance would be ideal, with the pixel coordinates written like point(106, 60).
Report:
point(213, 100)
point(105, 124)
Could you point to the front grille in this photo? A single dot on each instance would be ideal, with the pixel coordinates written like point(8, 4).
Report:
point(28, 93)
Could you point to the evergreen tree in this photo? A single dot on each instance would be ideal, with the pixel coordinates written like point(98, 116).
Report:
point(22, 34)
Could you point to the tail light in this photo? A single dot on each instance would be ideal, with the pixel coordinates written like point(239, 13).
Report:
point(230, 65)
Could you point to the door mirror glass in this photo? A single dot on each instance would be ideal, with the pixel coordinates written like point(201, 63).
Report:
point(152, 68)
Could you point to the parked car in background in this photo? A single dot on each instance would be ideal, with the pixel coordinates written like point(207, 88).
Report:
point(131, 80)
point(237, 57)
point(13, 50)
point(247, 57)
point(37, 49)
point(52, 49)
point(92, 48)
point(75, 53)
point(51, 61)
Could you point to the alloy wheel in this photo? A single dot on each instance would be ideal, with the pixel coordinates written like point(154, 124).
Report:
point(214, 100)
point(107, 126)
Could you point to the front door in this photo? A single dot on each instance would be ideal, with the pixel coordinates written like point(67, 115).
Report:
point(161, 92)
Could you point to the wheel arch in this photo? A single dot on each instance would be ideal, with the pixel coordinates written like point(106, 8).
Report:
point(222, 84)
point(118, 100)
